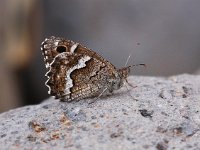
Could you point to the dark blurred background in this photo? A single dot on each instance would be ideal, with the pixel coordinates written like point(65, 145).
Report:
point(163, 34)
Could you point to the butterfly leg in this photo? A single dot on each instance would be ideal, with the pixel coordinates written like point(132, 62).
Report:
point(129, 91)
point(130, 84)
point(92, 101)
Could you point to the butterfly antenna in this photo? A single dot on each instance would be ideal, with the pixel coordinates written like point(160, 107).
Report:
point(98, 96)
point(128, 59)
point(129, 90)
point(130, 56)
point(136, 65)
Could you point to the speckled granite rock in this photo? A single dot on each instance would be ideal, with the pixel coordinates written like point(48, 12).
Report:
point(161, 113)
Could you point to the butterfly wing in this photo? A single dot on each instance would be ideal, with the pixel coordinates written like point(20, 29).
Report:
point(75, 72)
point(53, 46)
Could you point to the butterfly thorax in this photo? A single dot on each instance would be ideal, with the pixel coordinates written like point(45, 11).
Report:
point(121, 78)
point(124, 72)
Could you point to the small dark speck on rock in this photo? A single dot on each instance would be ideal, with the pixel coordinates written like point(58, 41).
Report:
point(14, 132)
point(162, 145)
point(185, 89)
point(146, 113)
point(45, 106)
point(93, 117)
point(115, 135)
point(177, 130)
point(130, 138)
point(165, 114)
point(184, 95)
point(124, 110)
point(31, 138)
point(161, 130)
point(3, 135)
point(165, 94)
point(189, 146)
point(101, 115)
point(28, 108)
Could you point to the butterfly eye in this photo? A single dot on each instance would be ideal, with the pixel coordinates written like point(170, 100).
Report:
point(61, 49)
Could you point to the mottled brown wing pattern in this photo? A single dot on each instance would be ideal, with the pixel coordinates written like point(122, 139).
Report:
point(59, 81)
point(89, 81)
point(53, 46)
point(74, 71)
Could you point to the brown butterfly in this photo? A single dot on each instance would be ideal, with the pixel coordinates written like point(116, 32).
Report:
point(76, 72)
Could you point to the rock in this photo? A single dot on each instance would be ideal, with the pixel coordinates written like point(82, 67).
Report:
point(160, 113)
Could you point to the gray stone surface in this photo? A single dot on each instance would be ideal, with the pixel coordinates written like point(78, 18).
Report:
point(160, 113)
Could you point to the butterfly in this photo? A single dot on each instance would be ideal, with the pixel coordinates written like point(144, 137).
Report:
point(75, 72)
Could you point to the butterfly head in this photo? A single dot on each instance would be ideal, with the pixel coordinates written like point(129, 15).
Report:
point(124, 72)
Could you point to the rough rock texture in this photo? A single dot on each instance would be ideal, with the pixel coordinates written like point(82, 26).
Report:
point(160, 113)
